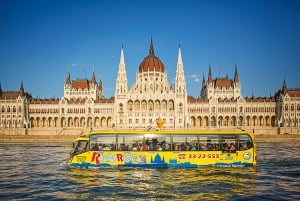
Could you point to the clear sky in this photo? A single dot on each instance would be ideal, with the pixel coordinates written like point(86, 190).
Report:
point(41, 40)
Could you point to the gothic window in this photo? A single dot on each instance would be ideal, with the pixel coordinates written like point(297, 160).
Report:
point(213, 109)
point(241, 109)
point(144, 105)
point(286, 107)
point(121, 107)
point(292, 107)
point(3, 109)
point(8, 109)
point(157, 106)
point(180, 106)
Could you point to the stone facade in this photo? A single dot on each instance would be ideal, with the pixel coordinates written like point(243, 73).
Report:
point(219, 106)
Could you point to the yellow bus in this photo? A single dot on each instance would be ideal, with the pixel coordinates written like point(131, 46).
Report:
point(169, 149)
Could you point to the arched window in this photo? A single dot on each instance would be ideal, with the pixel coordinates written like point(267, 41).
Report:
point(121, 107)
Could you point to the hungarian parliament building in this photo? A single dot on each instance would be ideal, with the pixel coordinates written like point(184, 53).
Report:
point(220, 104)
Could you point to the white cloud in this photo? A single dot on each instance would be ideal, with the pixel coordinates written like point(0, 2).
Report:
point(193, 76)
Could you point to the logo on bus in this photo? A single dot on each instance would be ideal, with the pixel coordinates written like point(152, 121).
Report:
point(247, 155)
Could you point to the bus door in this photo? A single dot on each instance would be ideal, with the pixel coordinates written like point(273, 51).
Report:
point(229, 148)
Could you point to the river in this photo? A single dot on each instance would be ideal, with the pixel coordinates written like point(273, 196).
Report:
point(38, 172)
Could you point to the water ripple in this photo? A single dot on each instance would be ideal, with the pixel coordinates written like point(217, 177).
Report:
point(38, 172)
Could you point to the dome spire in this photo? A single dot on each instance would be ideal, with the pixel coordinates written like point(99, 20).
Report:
point(151, 50)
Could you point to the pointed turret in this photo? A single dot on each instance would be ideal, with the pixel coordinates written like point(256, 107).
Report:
point(151, 49)
point(284, 87)
point(121, 82)
point(21, 92)
point(179, 77)
point(180, 93)
point(203, 82)
point(209, 80)
point(93, 81)
point(68, 80)
point(236, 76)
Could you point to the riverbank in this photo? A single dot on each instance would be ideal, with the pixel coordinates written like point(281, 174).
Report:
point(68, 139)
point(53, 139)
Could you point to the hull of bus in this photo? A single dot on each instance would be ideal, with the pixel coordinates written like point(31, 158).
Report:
point(162, 159)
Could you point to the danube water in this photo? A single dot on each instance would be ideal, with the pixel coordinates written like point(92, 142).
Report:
point(38, 172)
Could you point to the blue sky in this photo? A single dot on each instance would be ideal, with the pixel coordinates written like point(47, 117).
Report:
point(41, 40)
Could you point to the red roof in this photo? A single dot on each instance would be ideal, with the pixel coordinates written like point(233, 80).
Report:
point(151, 63)
point(80, 84)
point(10, 95)
point(293, 92)
point(223, 82)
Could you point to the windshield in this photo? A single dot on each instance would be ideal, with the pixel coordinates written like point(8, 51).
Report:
point(80, 146)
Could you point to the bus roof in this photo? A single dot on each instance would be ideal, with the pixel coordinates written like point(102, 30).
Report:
point(179, 132)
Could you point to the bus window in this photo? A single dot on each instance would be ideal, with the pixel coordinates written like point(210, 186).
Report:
point(103, 142)
point(130, 142)
point(209, 142)
point(157, 142)
point(245, 142)
point(229, 143)
point(185, 143)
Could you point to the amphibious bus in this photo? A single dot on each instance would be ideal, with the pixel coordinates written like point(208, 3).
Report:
point(163, 149)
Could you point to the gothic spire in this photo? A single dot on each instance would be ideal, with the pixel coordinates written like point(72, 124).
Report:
point(284, 87)
point(121, 82)
point(93, 76)
point(22, 92)
point(209, 75)
point(151, 50)
point(68, 80)
point(236, 76)
point(203, 82)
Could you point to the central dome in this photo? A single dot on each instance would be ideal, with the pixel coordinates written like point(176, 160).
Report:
point(151, 62)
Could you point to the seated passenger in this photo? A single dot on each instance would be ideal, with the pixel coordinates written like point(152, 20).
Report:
point(193, 147)
point(121, 147)
point(105, 147)
point(232, 148)
point(244, 146)
point(176, 147)
point(158, 147)
point(95, 147)
point(168, 147)
point(134, 147)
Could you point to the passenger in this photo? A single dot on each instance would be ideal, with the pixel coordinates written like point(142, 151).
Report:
point(134, 147)
point(122, 147)
point(106, 148)
point(95, 147)
point(188, 147)
point(193, 147)
point(244, 146)
point(168, 147)
point(226, 147)
point(158, 147)
point(176, 147)
point(182, 147)
point(232, 148)
point(146, 147)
